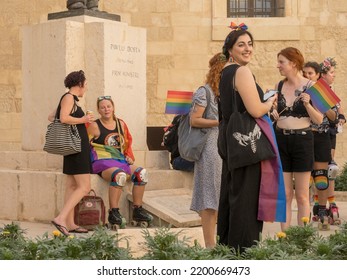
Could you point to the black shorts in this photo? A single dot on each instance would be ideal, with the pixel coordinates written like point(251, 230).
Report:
point(296, 151)
point(333, 141)
point(322, 146)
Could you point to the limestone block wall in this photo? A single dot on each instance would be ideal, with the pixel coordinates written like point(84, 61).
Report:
point(181, 37)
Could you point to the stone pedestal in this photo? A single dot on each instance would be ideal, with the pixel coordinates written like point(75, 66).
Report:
point(113, 56)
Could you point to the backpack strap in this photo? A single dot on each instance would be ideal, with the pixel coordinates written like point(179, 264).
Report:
point(208, 98)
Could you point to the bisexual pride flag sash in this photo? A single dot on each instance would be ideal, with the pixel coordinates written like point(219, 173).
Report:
point(272, 196)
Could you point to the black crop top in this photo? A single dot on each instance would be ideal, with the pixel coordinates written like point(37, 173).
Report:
point(297, 110)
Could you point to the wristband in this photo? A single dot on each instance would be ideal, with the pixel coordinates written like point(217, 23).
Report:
point(341, 117)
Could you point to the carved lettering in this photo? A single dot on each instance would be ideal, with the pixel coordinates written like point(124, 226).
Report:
point(117, 47)
point(116, 73)
point(131, 74)
point(133, 49)
point(122, 48)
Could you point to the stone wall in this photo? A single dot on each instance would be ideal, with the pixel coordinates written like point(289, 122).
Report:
point(181, 37)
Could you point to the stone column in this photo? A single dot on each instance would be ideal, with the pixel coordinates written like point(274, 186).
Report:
point(113, 56)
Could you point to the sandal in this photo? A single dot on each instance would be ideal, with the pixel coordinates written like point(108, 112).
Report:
point(79, 230)
point(61, 228)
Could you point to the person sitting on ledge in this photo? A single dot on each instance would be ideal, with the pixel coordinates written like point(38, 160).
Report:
point(82, 4)
point(113, 159)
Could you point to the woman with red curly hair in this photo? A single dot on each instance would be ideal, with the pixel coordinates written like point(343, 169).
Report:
point(207, 170)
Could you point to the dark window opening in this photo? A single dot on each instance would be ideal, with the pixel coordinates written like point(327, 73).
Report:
point(255, 8)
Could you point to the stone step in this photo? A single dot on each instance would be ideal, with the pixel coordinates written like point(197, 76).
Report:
point(35, 195)
point(171, 207)
point(33, 185)
point(39, 160)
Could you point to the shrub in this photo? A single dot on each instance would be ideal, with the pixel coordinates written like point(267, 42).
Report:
point(296, 243)
point(99, 246)
point(341, 180)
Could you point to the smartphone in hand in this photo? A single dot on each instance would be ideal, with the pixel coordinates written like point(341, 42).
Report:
point(269, 94)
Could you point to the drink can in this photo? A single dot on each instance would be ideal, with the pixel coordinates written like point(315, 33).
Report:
point(339, 128)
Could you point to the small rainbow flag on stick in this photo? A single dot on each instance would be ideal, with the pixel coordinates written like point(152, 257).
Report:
point(178, 102)
point(322, 96)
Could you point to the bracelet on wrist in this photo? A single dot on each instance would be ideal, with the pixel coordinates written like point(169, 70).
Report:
point(341, 117)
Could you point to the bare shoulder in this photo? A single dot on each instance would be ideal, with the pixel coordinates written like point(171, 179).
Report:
point(243, 72)
point(243, 77)
point(68, 97)
point(93, 129)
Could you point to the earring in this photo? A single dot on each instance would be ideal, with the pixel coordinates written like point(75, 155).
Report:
point(231, 59)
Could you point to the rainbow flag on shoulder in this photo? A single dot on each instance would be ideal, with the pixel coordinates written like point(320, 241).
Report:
point(322, 96)
point(178, 102)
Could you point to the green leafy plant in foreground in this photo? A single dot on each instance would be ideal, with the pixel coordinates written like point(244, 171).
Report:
point(341, 180)
point(167, 245)
point(99, 246)
point(296, 243)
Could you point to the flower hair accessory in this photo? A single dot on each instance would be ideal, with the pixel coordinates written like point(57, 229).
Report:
point(222, 57)
point(234, 27)
point(327, 64)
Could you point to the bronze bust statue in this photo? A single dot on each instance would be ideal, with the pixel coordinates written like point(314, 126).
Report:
point(82, 4)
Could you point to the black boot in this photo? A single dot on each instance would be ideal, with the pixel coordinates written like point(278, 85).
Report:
point(114, 217)
point(141, 215)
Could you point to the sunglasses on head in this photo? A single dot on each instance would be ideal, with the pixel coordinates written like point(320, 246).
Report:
point(106, 97)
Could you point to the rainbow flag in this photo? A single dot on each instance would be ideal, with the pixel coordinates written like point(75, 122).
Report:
point(272, 195)
point(178, 102)
point(322, 96)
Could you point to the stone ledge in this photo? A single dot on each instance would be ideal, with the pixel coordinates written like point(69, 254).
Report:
point(28, 192)
point(172, 206)
point(40, 160)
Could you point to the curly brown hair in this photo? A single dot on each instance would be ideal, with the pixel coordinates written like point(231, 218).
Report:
point(216, 65)
point(76, 78)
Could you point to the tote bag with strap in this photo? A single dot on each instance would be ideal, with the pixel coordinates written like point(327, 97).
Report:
point(61, 138)
point(246, 142)
point(191, 140)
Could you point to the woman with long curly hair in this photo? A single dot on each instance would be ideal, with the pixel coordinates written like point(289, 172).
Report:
point(207, 170)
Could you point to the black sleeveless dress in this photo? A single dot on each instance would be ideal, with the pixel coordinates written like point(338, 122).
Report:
point(78, 163)
point(237, 224)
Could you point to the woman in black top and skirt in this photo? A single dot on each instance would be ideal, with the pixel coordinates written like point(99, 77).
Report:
point(77, 166)
point(237, 225)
